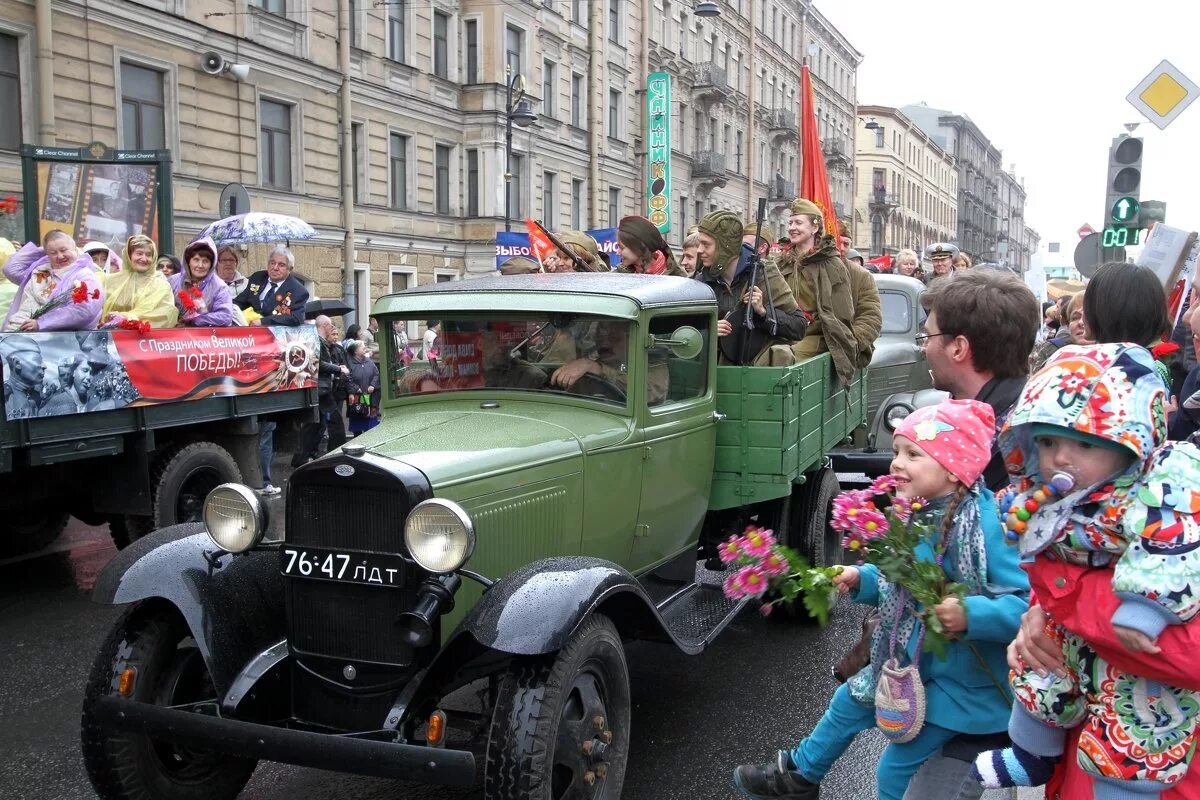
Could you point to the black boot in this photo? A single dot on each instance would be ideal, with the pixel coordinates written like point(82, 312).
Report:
point(776, 779)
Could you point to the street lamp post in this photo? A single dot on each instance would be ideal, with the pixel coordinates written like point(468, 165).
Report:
point(519, 111)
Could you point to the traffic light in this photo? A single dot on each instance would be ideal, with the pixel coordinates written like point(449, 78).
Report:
point(1152, 211)
point(1122, 206)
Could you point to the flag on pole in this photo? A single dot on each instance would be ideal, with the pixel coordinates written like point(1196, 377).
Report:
point(814, 181)
point(884, 262)
point(538, 243)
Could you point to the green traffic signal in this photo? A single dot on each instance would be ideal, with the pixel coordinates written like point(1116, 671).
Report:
point(1125, 209)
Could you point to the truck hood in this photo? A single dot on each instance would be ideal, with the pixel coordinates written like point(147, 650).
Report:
point(457, 441)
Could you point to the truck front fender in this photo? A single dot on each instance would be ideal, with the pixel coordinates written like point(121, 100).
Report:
point(537, 608)
point(233, 604)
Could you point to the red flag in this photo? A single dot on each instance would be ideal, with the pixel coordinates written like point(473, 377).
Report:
point(884, 262)
point(814, 181)
point(539, 243)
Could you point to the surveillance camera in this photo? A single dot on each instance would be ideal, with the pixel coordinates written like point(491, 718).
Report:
point(212, 62)
point(239, 71)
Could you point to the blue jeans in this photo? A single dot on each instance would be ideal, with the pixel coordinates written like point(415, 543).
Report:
point(846, 718)
point(266, 449)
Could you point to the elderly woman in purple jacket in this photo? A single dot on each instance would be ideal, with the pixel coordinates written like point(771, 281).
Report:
point(201, 296)
point(47, 277)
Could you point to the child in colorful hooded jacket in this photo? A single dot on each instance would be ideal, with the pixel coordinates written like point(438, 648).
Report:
point(1095, 414)
point(940, 454)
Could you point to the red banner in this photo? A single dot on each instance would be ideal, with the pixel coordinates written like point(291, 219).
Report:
point(52, 374)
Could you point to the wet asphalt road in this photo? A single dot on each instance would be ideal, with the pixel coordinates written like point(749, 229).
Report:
point(763, 684)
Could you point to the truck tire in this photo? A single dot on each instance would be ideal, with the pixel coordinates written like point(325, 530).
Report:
point(28, 529)
point(182, 478)
point(811, 505)
point(560, 727)
point(154, 641)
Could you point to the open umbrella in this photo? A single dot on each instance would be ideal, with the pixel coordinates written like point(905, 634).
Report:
point(330, 308)
point(256, 226)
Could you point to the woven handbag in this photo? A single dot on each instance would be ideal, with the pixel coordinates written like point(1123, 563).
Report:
point(900, 694)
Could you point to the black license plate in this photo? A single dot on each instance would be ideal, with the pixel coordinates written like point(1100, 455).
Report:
point(373, 569)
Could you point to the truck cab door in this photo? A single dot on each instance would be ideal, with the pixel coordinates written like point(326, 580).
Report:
point(676, 402)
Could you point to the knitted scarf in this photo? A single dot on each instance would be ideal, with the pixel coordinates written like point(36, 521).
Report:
point(965, 562)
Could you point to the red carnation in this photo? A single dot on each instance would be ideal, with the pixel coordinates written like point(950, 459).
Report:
point(1164, 350)
point(80, 294)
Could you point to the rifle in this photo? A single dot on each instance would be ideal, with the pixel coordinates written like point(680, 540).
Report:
point(755, 263)
point(580, 264)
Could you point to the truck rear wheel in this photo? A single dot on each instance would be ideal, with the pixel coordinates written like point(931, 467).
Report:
point(560, 728)
point(812, 504)
point(28, 529)
point(182, 478)
point(154, 641)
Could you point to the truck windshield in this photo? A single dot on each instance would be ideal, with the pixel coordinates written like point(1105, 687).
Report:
point(554, 353)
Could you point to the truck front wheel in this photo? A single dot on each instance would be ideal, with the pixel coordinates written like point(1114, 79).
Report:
point(560, 728)
point(27, 529)
point(168, 670)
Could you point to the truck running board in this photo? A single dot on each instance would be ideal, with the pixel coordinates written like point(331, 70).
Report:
point(696, 614)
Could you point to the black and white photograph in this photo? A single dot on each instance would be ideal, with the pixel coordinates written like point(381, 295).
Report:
point(49, 375)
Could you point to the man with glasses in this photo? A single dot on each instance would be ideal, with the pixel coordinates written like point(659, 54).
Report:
point(977, 339)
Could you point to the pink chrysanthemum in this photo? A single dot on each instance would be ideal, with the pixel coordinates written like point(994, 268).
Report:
point(883, 484)
point(730, 550)
point(731, 587)
point(870, 524)
point(757, 542)
point(765, 609)
point(847, 505)
point(773, 564)
point(752, 581)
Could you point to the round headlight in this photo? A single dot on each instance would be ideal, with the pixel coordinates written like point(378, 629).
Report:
point(234, 517)
point(439, 535)
point(895, 414)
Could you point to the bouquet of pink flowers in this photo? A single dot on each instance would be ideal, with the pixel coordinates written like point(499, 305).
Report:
point(889, 541)
point(761, 565)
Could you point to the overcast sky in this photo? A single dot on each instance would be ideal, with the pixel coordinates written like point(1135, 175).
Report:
point(1045, 81)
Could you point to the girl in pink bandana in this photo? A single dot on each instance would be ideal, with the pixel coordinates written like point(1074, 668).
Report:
point(940, 454)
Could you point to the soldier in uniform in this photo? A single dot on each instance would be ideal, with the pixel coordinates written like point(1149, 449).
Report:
point(940, 255)
point(23, 377)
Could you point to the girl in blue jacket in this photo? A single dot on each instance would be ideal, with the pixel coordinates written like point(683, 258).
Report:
point(940, 453)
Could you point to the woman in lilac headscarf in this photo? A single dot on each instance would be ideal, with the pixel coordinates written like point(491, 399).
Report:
point(201, 296)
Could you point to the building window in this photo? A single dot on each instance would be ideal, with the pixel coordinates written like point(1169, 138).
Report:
point(577, 205)
point(441, 45)
point(516, 167)
point(10, 93)
point(472, 183)
point(275, 144)
point(614, 207)
point(548, 88)
point(441, 189)
point(879, 136)
point(549, 181)
point(614, 21)
point(514, 45)
point(398, 171)
point(472, 51)
point(737, 153)
point(577, 12)
point(577, 107)
point(395, 30)
point(359, 171)
point(272, 6)
point(683, 226)
point(142, 107)
point(614, 113)
point(354, 23)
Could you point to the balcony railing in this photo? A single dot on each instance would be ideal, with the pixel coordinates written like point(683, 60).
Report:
point(782, 120)
point(781, 190)
point(884, 199)
point(710, 82)
point(708, 164)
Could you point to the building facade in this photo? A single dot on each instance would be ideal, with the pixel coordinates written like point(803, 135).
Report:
point(907, 185)
point(425, 85)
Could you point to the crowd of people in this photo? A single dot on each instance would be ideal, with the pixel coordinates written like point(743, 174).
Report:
point(1063, 448)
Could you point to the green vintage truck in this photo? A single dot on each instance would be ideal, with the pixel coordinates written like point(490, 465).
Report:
point(540, 495)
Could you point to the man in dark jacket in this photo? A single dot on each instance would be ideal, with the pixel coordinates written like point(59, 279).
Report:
point(776, 321)
point(274, 293)
point(332, 390)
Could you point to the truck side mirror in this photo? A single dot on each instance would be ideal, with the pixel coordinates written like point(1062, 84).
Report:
point(685, 342)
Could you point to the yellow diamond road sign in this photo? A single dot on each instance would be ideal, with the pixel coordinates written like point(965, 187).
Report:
point(1163, 94)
